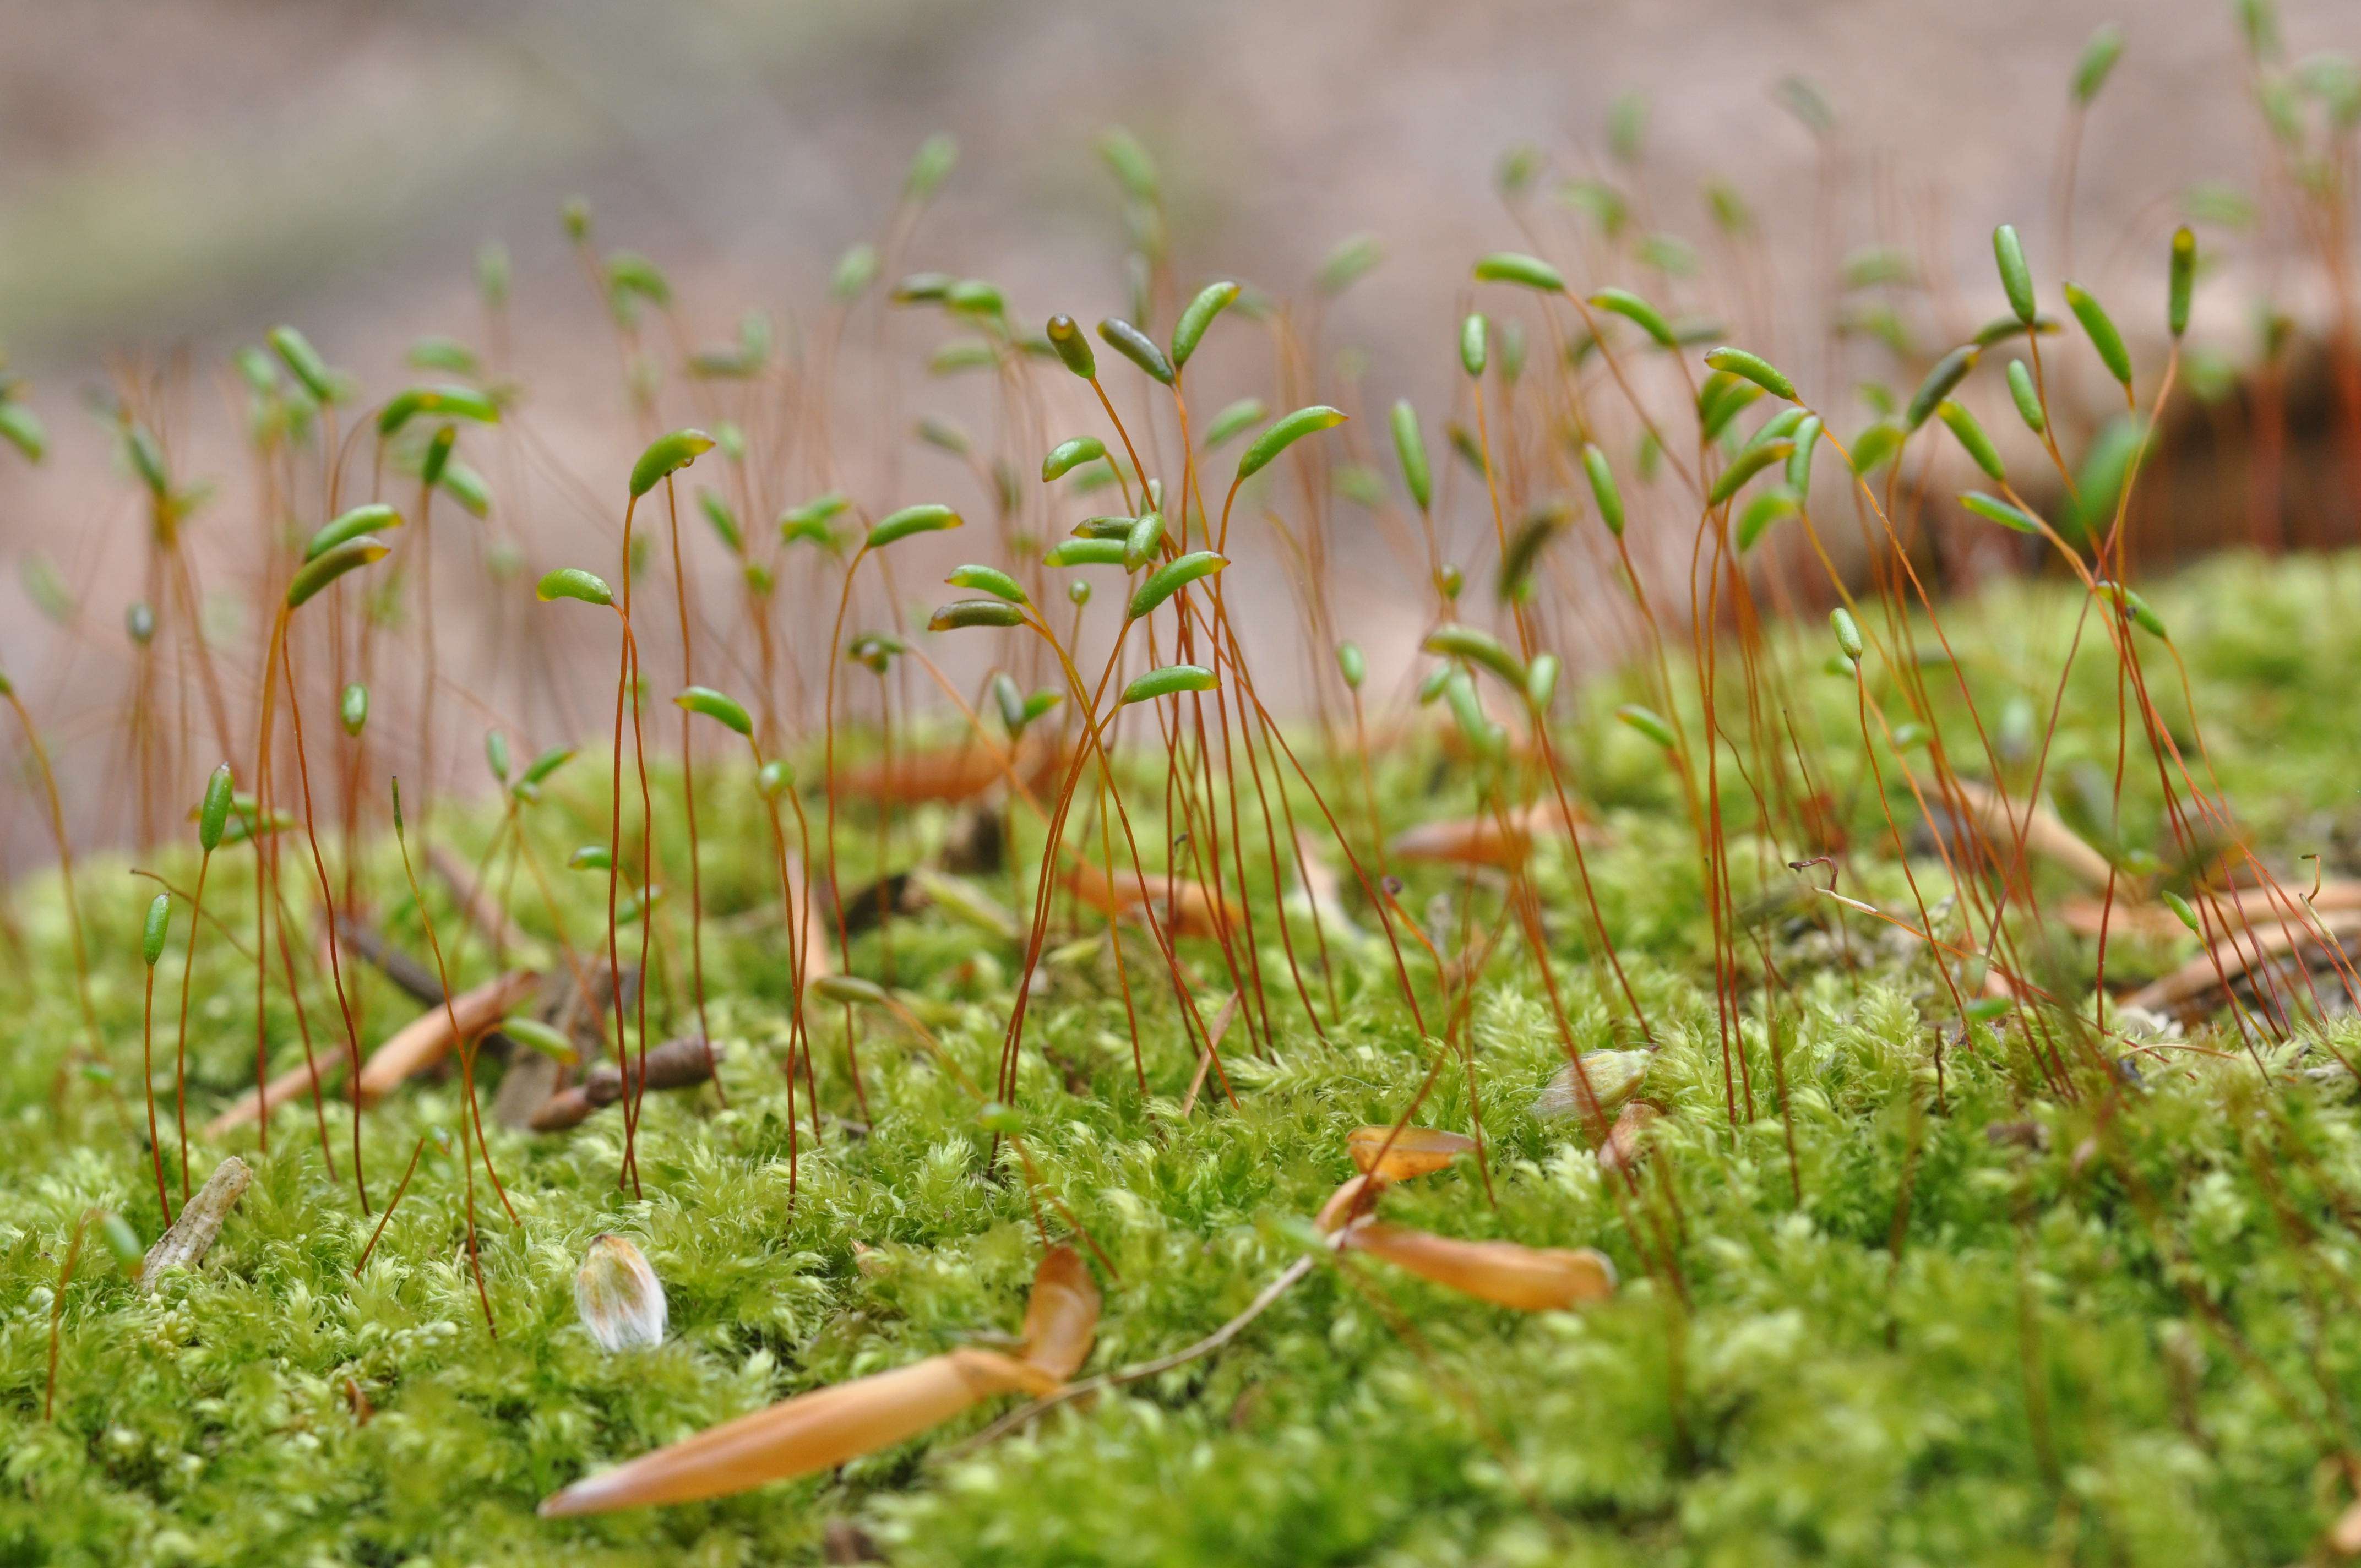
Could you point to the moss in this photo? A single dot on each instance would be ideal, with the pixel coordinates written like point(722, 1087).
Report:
point(2120, 1332)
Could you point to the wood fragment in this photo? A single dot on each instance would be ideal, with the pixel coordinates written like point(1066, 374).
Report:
point(427, 1038)
point(2237, 952)
point(418, 1044)
point(2045, 834)
point(2239, 907)
point(184, 1245)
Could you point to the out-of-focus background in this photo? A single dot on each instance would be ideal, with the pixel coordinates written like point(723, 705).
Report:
point(176, 176)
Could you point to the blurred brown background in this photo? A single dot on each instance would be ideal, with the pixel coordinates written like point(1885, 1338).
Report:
point(176, 175)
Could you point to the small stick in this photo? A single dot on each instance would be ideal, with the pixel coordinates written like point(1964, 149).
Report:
point(1205, 1058)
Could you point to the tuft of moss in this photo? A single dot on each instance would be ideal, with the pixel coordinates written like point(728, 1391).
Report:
point(1910, 1320)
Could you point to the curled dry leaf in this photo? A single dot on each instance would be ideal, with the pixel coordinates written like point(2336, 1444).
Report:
point(1399, 1155)
point(824, 1429)
point(1532, 1279)
point(427, 1038)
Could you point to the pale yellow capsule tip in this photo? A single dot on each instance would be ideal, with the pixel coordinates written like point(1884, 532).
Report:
point(619, 1298)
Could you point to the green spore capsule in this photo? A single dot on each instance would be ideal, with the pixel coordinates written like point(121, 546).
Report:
point(1772, 506)
point(1211, 301)
point(1088, 551)
point(723, 709)
point(1352, 665)
point(2184, 280)
point(1648, 722)
point(1239, 416)
point(1475, 344)
point(1353, 259)
point(962, 614)
point(989, 580)
point(1451, 640)
point(370, 519)
point(1745, 465)
point(1603, 490)
point(1141, 543)
point(667, 454)
point(156, 929)
point(2100, 330)
point(930, 166)
point(1286, 434)
point(1639, 312)
point(855, 271)
point(1941, 383)
point(1525, 271)
point(1170, 578)
point(1755, 368)
point(1068, 456)
point(1848, 634)
point(2098, 62)
point(1168, 680)
point(2016, 276)
point(1072, 348)
point(349, 556)
point(304, 363)
point(925, 518)
point(1971, 437)
point(1409, 451)
point(1540, 680)
point(438, 456)
point(1992, 508)
point(212, 812)
point(452, 402)
point(1136, 346)
point(1799, 462)
point(2027, 396)
point(573, 583)
point(352, 708)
